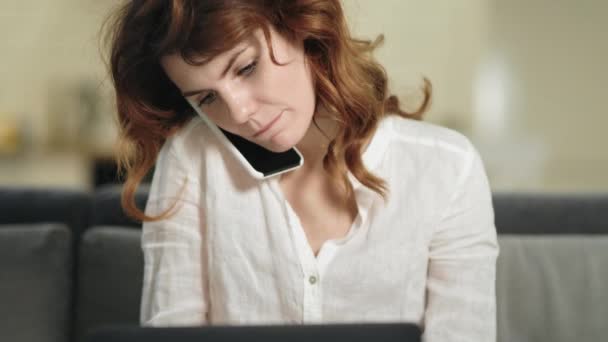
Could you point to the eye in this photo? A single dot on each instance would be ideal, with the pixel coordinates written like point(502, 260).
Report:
point(207, 99)
point(248, 69)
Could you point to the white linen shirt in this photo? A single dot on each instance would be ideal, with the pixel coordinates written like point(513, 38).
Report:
point(236, 253)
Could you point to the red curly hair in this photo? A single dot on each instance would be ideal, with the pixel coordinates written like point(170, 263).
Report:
point(348, 80)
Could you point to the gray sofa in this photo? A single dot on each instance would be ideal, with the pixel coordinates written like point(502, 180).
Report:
point(70, 262)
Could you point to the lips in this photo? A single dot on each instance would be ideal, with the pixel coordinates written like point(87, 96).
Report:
point(267, 127)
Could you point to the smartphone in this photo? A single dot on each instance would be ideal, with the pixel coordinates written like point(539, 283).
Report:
point(259, 162)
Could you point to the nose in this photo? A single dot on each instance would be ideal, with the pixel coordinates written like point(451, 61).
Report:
point(241, 103)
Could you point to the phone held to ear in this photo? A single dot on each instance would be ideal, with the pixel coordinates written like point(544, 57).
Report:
point(259, 162)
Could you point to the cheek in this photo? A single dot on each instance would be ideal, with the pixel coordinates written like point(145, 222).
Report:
point(305, 95)
point(293, 85)
point(219, 117)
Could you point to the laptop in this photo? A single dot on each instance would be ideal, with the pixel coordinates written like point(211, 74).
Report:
point(365, 332)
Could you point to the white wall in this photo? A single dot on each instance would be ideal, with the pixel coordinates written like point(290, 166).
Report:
point(442, 40)
point(555, 114)
point(526, 80)
point(48, 49)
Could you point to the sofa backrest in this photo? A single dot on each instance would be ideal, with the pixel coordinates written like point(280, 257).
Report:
point(33, 205)
point(551, 213)
point(106, 209)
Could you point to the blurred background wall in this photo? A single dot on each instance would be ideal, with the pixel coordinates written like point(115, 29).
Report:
point(525, 80)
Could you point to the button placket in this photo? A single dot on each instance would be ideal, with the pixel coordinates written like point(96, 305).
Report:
point(310, 267)
point(312, 298)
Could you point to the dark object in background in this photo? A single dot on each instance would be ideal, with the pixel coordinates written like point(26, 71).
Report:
point(105, 171)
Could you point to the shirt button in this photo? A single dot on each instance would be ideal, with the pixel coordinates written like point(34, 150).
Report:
point(312, 280)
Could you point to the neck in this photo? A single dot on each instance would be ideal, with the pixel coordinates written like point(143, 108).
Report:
point(313, 147)
point(314, 144)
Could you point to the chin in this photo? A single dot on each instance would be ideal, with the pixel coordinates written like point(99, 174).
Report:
point(278, 148)
point(281, 150)
point(282, 142)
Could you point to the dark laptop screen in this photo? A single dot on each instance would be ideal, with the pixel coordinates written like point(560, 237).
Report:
point(366, 332)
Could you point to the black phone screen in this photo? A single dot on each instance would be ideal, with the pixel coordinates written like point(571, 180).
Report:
point(261, 159)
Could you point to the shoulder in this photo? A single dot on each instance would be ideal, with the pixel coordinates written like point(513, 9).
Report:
point(187, 135)
point(185, 147)
point(432, 154)
point(426, 136)
point(176, 171)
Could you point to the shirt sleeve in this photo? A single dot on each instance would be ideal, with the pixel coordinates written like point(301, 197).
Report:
point(174, 286)
point(461, 281)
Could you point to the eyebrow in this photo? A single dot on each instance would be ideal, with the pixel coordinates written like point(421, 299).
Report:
point(226, 69)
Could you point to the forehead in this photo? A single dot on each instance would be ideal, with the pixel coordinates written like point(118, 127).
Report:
point(181, 72)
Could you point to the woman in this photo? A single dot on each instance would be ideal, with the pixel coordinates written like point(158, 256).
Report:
point(389, 219)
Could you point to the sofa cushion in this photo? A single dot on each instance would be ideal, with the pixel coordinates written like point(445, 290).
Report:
point(35, 282)
point(109, 279)
point(552, 288)
point(550, 213)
